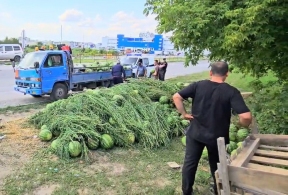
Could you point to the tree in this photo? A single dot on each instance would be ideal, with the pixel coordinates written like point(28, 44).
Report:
point(9, 41)
point(251, 35)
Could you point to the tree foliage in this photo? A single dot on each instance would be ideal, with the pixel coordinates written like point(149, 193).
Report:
point(250, 34)
point(9, 41)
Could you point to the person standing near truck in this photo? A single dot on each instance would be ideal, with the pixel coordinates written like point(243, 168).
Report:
point(51, 47)
point(213, 101)
point(141, 70)
point(117, 72)
point(155, 74)
point(162, 70)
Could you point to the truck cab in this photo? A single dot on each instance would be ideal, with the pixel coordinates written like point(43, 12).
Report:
point(132, 59)
point(52, 73)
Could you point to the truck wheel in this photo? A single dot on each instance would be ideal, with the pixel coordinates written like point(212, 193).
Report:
point(17, 59)
point(59, 91)
point(36, 96)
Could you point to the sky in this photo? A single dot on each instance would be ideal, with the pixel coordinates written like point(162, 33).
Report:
point(81, 20)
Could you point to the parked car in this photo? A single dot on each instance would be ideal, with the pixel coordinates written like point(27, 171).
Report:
point(12, 52)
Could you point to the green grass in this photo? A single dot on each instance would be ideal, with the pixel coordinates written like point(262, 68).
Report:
point(237, 80)
point(21, 108)
point(118, 171)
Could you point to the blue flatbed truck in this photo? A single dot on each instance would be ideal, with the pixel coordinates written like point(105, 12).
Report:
point(53, 73)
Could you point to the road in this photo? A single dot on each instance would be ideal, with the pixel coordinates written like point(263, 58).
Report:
point(8, 97)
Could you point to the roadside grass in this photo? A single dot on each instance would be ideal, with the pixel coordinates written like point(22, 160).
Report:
point(238, 80)
point(116, 171)
point(22, 108)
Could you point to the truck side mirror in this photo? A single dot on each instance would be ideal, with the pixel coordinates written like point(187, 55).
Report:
point(36, 64)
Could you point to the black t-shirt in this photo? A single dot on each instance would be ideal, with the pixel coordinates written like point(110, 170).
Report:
point(164, 68)
point(211, 108)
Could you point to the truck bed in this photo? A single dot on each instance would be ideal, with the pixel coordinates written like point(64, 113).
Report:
point(86, 77)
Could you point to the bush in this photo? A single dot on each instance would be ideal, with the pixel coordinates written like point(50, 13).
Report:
point(269, 105)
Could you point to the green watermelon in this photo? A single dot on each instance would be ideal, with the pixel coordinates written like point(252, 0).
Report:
point(234, 152)
point(92, 144)
point(75, 148)
point(119, 99)
point(54, 144)
point(44, 127)
point(164, 100)
point(180, 84)
point(232, 146)
point(232, 136)
point(135, 92)
point(45, 135)
point(106, 141)
point(242, 134)
point(185, 123)
point(131, 138)
point(152, 71)
point(205, 154)
point(183, 140)
point(239, 144)
point(232, 128)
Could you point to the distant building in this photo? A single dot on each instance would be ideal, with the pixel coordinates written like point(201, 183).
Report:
point(146, 41)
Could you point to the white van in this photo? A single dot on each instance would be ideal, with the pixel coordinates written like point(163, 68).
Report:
point(132, 59)
point(12, 52)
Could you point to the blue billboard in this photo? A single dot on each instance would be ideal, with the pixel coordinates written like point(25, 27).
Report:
point(156, 44)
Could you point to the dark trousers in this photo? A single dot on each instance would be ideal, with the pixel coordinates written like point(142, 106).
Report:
point(117, 80)
point(193, 154)
point(162, 75)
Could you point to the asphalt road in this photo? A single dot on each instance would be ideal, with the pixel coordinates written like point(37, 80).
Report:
point(8, 97)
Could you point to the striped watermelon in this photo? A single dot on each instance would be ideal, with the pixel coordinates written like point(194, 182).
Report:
point(106, 141)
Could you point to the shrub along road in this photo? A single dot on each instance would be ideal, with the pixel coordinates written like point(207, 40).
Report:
point(9, 97)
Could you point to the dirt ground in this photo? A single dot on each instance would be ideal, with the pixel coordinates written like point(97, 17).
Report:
point(18, 142)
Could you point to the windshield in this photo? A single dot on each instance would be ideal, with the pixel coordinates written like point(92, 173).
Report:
point(129, 61)
point(30, 58)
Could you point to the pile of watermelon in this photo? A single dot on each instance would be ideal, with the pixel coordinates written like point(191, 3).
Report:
point(237, 136)
point(140, 113)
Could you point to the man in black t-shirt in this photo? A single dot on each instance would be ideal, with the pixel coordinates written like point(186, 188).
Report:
point(162, 70)
point(212, 103)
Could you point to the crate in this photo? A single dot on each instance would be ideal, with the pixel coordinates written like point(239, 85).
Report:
point(258, 168)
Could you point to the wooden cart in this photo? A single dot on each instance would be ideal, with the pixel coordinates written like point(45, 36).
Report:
point(260, 167)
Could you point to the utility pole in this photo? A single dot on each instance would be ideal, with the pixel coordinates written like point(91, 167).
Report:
point(61, 33)
point(23, 39)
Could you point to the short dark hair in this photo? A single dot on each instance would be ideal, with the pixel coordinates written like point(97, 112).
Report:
point(156, 61)
point(219, 68)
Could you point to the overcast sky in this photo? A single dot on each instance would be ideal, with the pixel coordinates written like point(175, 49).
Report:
point(81, 19)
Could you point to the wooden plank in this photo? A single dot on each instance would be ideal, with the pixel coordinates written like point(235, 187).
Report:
point(252, 189)
point(282, 155)
point(269, 161)
point(223, 166)
point(244, 157)
point(272, 140)
point(254, 126)
point(268, 169)
point(217, 181)
point(275, 148)
point(259, 179)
